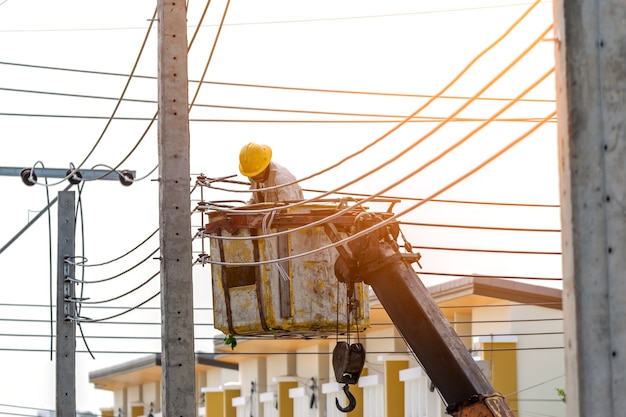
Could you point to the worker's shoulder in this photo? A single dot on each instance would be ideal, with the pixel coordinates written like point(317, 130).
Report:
point(278, 168)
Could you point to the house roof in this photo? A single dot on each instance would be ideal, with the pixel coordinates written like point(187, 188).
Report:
point(476, 290)
point(145, 370)
point(458, 295)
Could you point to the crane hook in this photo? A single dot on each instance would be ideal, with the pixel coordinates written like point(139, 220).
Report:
point(352, 401)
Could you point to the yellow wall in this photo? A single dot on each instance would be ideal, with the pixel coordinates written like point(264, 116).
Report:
point(394, 388)
point(229, 394)
point(107, 412)
point(214, 403)
point(285, 404)
point(136, 410)
point(502, 360)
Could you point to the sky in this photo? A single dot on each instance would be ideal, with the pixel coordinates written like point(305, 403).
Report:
point(348, 73)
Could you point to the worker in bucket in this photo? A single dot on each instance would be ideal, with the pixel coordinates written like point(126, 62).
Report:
point(255, 162)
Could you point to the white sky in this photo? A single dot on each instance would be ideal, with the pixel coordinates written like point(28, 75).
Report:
point(399, 47)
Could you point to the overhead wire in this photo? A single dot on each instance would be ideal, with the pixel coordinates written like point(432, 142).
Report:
point(120, 274)
point(274, 87)
point(100, 307)
point(156, 113)
point(121, 295)
point(288, 353)
point(105, 319)
point(116, 108)
point(125, 89)
point(153, 119)
point(516, 277)
point(428, 102)
point(382, 223)
point(318, 337)
point(503, 251)
point(390, 119)
point(210, 324)
point(427, 12)
point(422, 138)
point(86, 265)
point(206, 67)
point(491, 228)
point(403, 197)
point(82, 287)
point(403, 152)
point(50, 269)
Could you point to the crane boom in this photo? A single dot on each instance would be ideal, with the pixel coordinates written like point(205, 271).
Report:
point(376, 260)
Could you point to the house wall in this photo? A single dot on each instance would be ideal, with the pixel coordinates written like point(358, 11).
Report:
point(151, 394)
point(120, 402)
point(279, 365)
point(541, 371)
point(218, 376)
point(512, 333)
point(251, 372)
point(313, 367)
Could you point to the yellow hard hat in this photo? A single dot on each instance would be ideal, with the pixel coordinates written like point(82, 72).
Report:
point(254, 158)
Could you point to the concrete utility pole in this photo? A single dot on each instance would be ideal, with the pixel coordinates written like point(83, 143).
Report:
point(177, 332)
point(66, 329)
point(591, 44)
point(66, 242)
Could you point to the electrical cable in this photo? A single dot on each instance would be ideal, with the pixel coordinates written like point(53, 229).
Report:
point(510, 29)
point(429, 119)
point(50, 270)
point(390, 197)
point(82, 287)
point(201, 324)
point(540, 304)
point(392, 218)
point(31, 222)
point(395, 216)
point(121, 273)
point(406, 198)
point(123, 255)
point(202, 16)
point(406, 150)
point(241, 338)
point(317, 90)
point(206, 67)
point(86, 320)
point(146, 130)
point(444, 274)
point(499, 251)
point(490, 228)
point(290, 353)
point(122, 295)
point(428, 102)
point(427, 12)
point(124, 90)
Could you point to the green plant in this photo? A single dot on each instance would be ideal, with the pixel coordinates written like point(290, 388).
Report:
point(561, 393)
point(230, 340)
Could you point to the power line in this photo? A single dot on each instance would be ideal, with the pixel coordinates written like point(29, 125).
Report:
point(405, 198)
point(494, 228)
point(268, 109)
point(447, 274)
point(498, 251)
point(406, 150)
point(427, 12)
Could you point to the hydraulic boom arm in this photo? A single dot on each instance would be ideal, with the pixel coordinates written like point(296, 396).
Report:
point(376, 260)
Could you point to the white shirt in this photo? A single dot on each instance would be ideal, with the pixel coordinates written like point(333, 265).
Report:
point(277, 175)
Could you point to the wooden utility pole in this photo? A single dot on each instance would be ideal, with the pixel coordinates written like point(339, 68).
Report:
point(177, 331)
point(591, 84)
point(66, 328)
